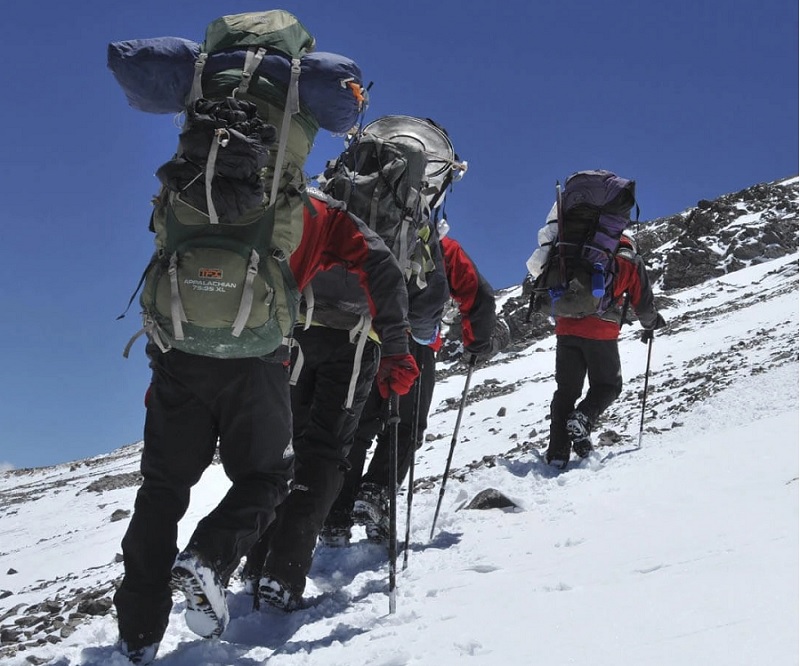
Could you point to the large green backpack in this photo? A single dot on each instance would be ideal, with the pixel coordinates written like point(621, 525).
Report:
point(230, 211)
point(218, 288)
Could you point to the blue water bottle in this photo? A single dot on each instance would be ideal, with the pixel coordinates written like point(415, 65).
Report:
point(598, 281)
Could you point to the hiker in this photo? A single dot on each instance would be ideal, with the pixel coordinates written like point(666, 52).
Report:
point(339, 354)
point(365, 495)
point(589, 346)
point(392, 184)
point(194, 400)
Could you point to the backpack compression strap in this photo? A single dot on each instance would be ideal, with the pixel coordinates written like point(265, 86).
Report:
point(292, 107)
point(251, 62)
point(177, 312)
point(361, 330)
point(196, 91)
point(246, 304)
point(221, 138)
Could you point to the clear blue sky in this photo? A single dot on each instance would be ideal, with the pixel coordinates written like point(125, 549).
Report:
point(693, 99)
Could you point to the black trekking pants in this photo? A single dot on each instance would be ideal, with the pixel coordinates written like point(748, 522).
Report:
point(194, 401)
point(373, 418)
point(575, 359)
point(323, 433)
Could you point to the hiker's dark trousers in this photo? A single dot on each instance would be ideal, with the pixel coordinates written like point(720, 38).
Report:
point(575, 359)
point(194, 403)
point(323, 433)
point(372, 424)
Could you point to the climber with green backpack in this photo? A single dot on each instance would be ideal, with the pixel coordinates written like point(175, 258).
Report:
point(219, 302)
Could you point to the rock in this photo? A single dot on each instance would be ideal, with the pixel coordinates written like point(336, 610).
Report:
point(66, 631)
point(9, 635)
point(95, 606)
point(114, 482)
point(490, 499)
point(608, 438)
point(52, 607)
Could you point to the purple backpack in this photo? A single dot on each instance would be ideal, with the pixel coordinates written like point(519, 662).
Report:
point(593, 210)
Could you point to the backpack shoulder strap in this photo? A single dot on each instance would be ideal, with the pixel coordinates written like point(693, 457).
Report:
point(626, 253)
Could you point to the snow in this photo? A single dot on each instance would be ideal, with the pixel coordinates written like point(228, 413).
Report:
point(683, 551)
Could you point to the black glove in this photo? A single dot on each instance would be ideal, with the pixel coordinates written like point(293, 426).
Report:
point(647, 334)
point(528, 285)
point(499, 340)
point(469, 358)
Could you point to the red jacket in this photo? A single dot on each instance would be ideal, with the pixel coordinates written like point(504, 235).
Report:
point(474, 295)
point(631, 278)
point(332, 237)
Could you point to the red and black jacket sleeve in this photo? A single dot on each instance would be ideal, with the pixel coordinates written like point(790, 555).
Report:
point(333, 237)
point(632, 278)
point(474, 295)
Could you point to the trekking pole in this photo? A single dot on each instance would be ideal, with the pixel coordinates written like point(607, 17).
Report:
point(644, 394)
point(414, 436)
point(532, 306)
point(562, 261)
point(473, 359)
point(394, 419)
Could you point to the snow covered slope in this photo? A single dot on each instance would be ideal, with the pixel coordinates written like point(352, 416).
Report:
point(682, 551)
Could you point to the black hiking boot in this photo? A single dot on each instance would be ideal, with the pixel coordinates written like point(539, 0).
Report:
point(206, 605)
point(277, 594)
point(582, 447)
point(556, 462)
point(578, 426)
point(335, 536)
point(137, 652)
point(371, 509)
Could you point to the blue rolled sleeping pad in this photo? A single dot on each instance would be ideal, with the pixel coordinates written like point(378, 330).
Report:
point(156, 76)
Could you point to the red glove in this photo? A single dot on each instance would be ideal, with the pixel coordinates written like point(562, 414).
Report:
point(396, 373)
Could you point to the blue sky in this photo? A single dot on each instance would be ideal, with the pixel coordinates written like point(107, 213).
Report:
point(692, 99)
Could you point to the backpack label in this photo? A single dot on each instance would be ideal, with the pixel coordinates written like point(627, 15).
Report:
point(206, 285)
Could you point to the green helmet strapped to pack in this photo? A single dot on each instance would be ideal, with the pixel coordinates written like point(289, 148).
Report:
point(393, 174)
